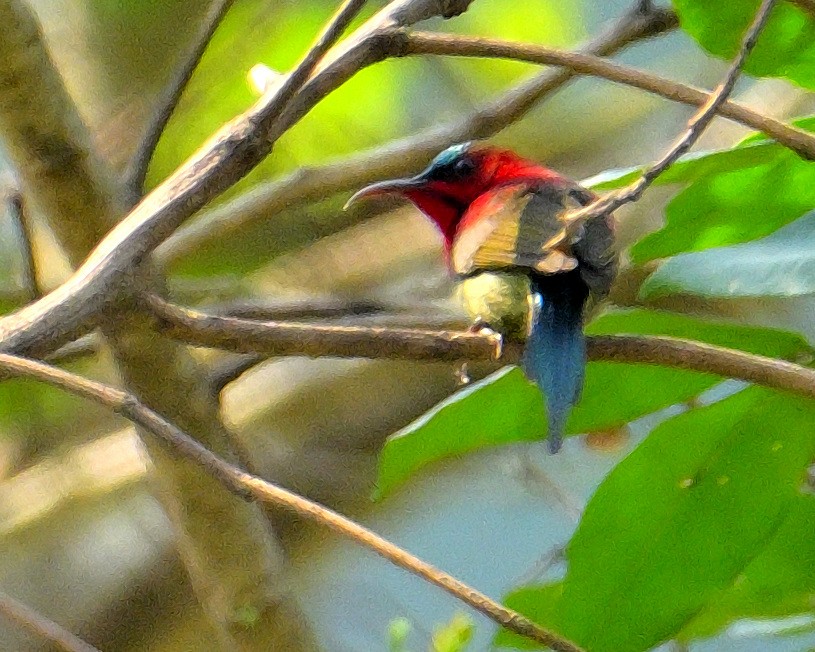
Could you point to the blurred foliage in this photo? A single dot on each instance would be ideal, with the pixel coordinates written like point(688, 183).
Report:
point(787, 44)
point(454, 636)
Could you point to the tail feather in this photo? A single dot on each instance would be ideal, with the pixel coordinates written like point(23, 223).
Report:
point(555, 353)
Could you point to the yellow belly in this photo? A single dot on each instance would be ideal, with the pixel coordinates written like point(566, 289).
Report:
point(503, 301)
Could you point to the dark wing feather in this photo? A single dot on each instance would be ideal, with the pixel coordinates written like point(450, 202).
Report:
point(517, 228)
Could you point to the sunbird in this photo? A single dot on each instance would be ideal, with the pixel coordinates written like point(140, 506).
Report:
point(502, 219)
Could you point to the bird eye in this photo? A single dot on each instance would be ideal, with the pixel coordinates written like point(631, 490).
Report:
point(463, 166)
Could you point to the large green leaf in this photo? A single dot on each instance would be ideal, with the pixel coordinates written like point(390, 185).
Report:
point(786, 47)
point(780, 265)
point(505, 408)
point(679, 519)
point(780, 582)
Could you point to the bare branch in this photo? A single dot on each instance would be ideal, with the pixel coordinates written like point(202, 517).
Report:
point(400, 156)
point(798, 140)
point(254, 488)
point(288, 338)
point(705, 358)
point(232, 152)
point(170, 97)
point(291, 338)
point(696, 125)
point(42, 627)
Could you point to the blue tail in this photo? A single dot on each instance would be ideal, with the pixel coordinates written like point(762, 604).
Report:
point(555, 353)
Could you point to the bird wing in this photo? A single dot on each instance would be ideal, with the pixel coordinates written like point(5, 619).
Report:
point(516, 226)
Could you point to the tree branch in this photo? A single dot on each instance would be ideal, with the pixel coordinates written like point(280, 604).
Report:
point(231, 153)
point(696, 125)
point(798, 140)
point(170, 96)
point(288, 338)
point(401, 156)
point(42, 627)
point(254, 488)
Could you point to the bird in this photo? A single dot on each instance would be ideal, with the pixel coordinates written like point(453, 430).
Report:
point(520, 273)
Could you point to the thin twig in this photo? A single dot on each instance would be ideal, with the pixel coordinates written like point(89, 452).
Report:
point(229, 155)
point(42, 627)
point(22, 220)
point(696, 125)
point(288, 338)
point(252, 487)
point(400, 156)
point(170, 97)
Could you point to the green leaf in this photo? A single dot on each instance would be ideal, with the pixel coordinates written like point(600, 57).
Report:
point(786, 47)
point(500, 409)
point(779, 583)
point(504, 408)
point(780, 265)
point(680, 518)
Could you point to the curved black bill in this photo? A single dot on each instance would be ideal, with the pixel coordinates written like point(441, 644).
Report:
point(390, 187)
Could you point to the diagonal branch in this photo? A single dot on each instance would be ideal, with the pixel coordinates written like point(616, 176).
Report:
point(170, 97)
point(236, 149)
point(42, 627)
point(697, 124)
point(400, 156)
point(289, 338)
point(254, 488)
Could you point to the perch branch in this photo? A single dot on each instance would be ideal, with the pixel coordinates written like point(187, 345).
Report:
point(252, 487)
point(170, 97)
point(288, 338)
point(42, 627)
point(400, 156)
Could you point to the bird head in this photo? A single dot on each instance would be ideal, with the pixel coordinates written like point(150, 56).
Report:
point(456, 178)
